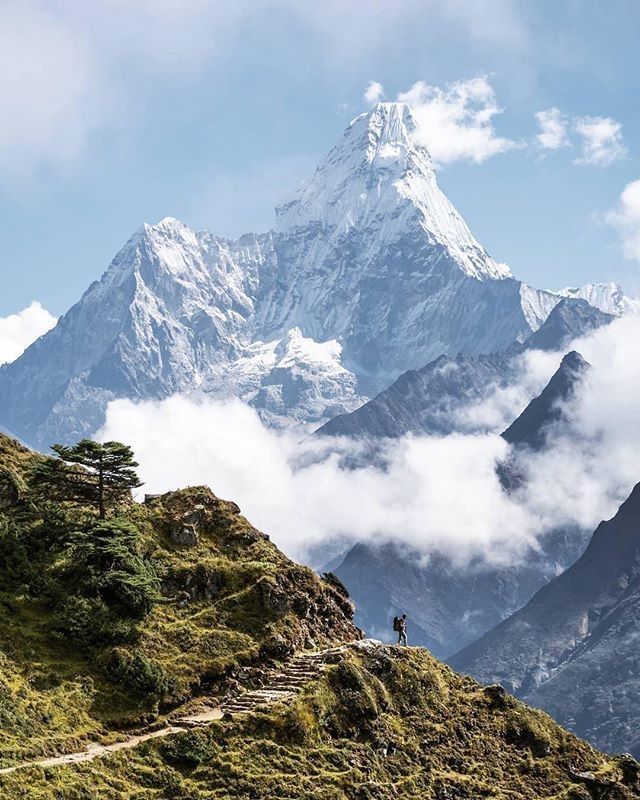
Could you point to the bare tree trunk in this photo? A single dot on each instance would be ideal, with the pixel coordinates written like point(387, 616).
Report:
point(101, 489)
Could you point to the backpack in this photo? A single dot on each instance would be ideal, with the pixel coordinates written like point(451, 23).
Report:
point(396, 624)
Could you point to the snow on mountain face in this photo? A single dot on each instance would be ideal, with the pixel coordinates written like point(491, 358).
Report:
point(288, 380)
point(369, 255)
point(370, 251)
point(378, 179)
point(608, 297)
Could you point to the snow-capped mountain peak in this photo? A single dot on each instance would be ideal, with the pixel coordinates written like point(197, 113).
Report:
point(390, 130)
point(608, 297)
point(370, 271)
point(378, 183)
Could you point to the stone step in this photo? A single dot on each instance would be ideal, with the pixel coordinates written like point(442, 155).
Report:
point(290, 682)
point(305, 667)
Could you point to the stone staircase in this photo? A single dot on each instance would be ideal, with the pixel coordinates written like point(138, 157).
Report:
point(283, 685)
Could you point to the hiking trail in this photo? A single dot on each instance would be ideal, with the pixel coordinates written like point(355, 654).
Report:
point(284, 684)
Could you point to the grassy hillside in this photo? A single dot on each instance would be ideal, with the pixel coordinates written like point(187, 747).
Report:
point(226, 600)
point(379, 725)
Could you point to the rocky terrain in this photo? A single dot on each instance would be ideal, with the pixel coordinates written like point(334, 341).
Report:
point(536, 424)
point(434, 399)
point(573, 648)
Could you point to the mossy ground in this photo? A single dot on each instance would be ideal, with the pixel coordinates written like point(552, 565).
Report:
point(379, 725)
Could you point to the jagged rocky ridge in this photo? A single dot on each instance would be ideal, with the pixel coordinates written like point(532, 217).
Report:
point(433, 399)
point(572, 649)
point(451, 606)
point(536, 423)
point(369, 272)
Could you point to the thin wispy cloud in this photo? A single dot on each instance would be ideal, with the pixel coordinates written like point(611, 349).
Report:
point(625, 218)
point(374, 93)
point(602, 141)
point(553, 129)
point(51, 88)
point(71, 71)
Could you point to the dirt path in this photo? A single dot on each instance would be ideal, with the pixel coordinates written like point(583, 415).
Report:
point(283, 685)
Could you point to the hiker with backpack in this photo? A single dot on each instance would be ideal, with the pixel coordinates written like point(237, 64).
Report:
point(400, 626)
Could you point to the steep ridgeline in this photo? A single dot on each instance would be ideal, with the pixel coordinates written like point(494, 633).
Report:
point(536, 423)
point(370, 271)
point(573, 649)
point(432, 399)
point(450, 607)
point(571, 319)
point(608, 297)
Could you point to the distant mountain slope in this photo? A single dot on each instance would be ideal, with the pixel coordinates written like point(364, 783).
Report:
point(451, 607)
point(447, 607)
point(568, 320)
point(429, 400)
point(573, 648)
point(531, 428)
point(608, 297)
point(369, 272)
point(425, 400)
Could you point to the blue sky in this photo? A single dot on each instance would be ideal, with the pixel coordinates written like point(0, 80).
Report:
point(114, 113)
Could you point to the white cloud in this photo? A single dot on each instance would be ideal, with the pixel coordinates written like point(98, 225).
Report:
point(18, 331)
point(626, 219)
point(602, 141)
point(553, 126)
point(412, 500)
point(374, 93)
point(436, 494)
point(456, 123)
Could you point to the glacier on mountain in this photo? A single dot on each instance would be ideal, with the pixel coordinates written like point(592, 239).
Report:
point(369, 272)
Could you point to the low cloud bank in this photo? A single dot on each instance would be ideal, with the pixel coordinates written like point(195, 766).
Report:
point(434, 494)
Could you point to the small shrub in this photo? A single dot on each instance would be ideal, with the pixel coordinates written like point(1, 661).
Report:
point(86, 621)
point(186, 749)
point(137, 673)
point(16, 569)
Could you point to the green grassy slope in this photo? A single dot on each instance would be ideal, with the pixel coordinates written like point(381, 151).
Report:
point(379, 725)
point(227, 601)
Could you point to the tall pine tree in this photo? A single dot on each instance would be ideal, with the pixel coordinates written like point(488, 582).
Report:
point(101, 474)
